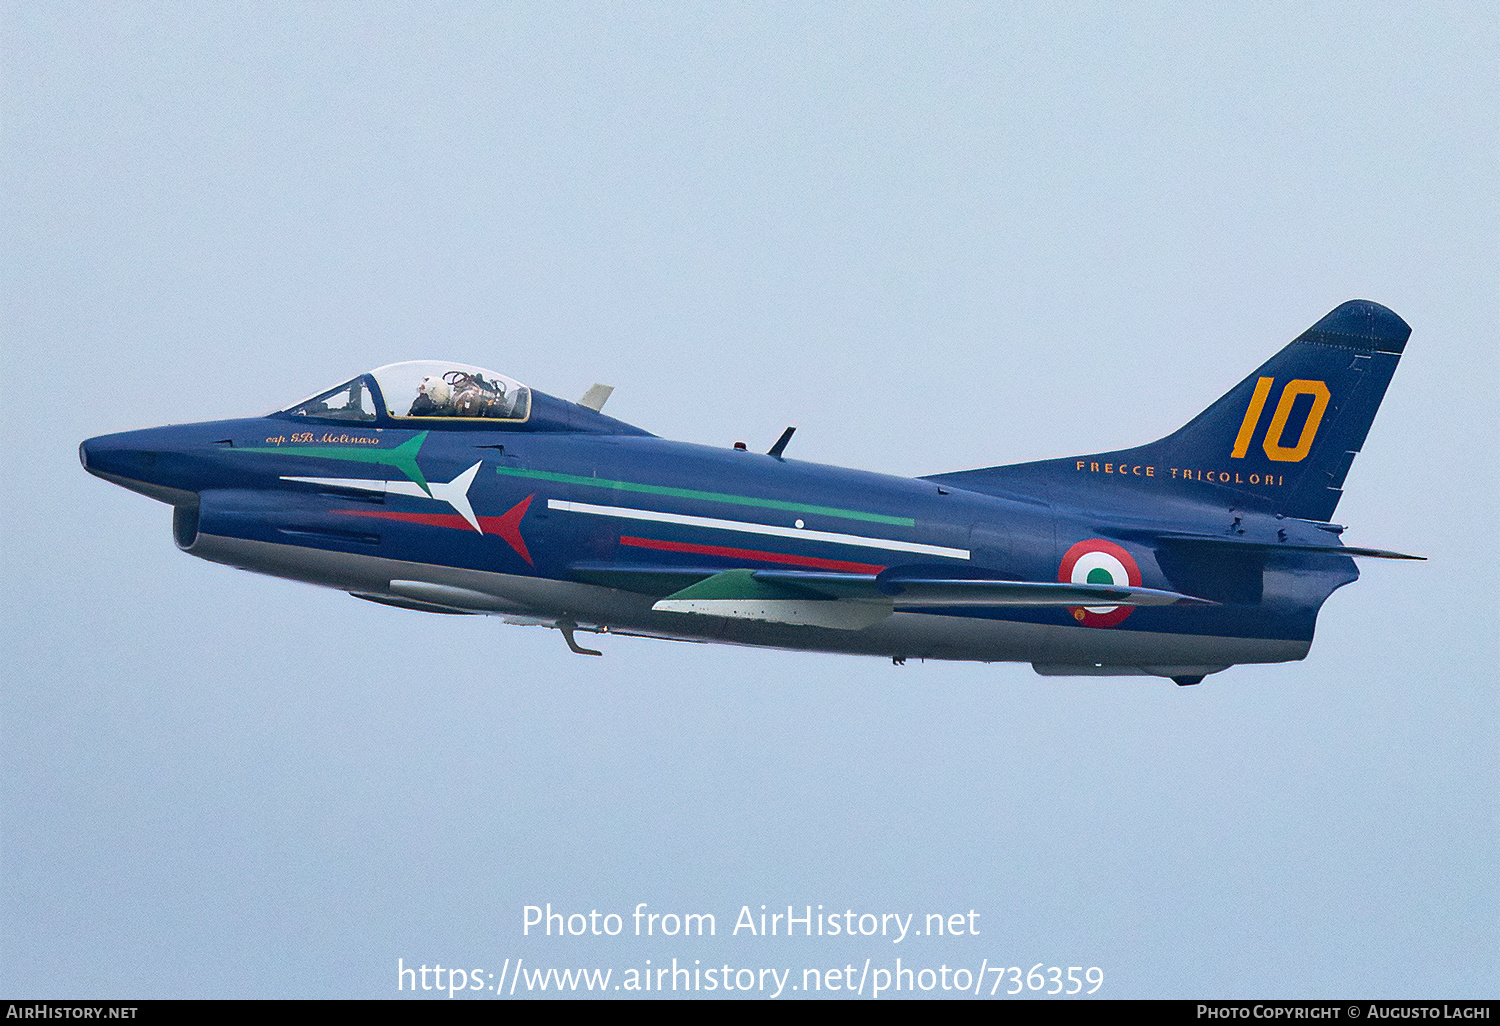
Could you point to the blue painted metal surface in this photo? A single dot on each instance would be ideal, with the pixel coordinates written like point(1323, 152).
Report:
point(571, 510)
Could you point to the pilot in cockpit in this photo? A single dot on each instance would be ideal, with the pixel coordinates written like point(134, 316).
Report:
point(465, 393)
point(473, 396)
point(434, 398)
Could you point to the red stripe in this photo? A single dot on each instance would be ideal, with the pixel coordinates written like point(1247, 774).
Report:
point(491, 525)
point(507, 526)
point(755, 554)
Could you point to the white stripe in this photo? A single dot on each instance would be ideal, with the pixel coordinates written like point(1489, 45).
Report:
point(739, 525)
point(455, 493)
point(342, 482)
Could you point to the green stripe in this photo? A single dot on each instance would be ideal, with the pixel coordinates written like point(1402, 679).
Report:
point(690, 493)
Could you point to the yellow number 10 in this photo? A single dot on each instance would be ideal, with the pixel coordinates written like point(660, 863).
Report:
point(1272, 444)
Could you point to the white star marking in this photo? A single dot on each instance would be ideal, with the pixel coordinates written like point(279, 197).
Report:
point(455, 493)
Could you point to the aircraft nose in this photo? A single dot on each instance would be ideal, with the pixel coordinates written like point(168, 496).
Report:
point(150, 461)
point(124, 455)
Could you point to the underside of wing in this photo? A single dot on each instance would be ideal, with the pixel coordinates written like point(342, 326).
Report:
point(928, 591)
point(854, 601)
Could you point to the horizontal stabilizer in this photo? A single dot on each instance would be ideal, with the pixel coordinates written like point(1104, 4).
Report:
point(1249, 546)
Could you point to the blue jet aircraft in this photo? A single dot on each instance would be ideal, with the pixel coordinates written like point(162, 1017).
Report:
point(448, 488)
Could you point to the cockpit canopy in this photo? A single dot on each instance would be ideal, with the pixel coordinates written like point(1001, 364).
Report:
point(421, 389)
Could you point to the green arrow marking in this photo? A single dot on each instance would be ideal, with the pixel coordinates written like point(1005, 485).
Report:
point(690, 493)
point(403, 457)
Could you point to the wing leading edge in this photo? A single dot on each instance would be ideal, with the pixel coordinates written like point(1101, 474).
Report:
point(852, 601)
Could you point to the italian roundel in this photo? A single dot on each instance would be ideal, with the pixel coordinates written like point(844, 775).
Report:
point(1097, 561)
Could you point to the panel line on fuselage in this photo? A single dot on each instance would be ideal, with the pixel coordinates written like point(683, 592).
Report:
point(746, 527)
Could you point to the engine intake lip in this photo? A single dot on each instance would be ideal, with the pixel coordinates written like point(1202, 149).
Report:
point(185, 525)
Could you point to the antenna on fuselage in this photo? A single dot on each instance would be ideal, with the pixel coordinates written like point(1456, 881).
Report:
point(596, 397)
point(780, 446)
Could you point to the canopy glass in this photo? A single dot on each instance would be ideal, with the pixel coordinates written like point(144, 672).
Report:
point(421, 390)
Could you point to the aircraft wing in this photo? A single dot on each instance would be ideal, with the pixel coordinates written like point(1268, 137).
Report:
point(851, 601)
point(926, 590)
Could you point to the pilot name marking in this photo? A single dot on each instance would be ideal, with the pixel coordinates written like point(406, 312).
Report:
point(327, 438)
point(1181, 473)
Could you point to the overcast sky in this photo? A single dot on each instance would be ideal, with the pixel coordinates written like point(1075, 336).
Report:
point(934, 237)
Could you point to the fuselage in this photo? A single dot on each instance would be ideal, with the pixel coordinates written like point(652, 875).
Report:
point(561, 517)
point(447, 488)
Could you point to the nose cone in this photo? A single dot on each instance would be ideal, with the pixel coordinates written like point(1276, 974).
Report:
point(127, 455)
point(144, 461)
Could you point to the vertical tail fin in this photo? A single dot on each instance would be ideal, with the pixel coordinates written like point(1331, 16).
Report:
point(1281, 440)
point(1301, 417)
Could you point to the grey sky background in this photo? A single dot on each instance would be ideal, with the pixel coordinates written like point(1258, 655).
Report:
point(934, 237)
